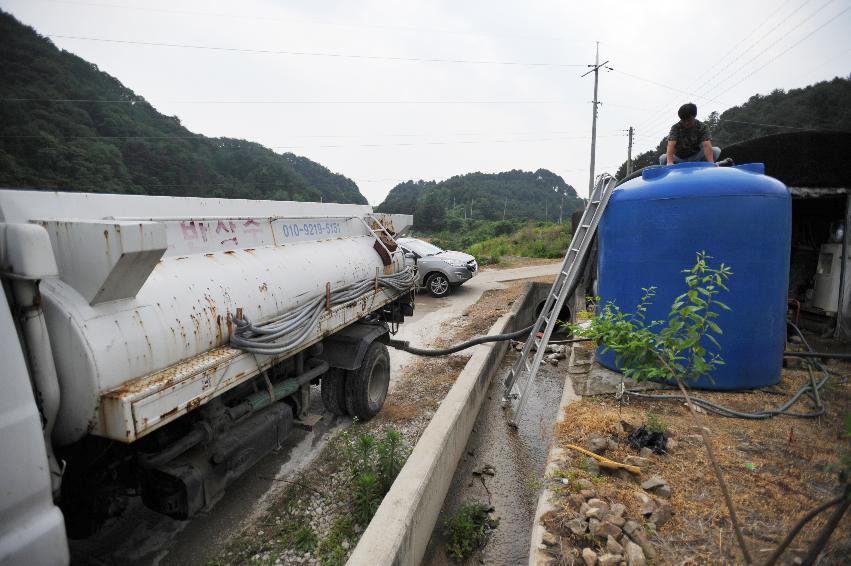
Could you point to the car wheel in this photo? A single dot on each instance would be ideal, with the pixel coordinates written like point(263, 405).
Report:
point(334, 391)
point(366, 387)
point(438, 285)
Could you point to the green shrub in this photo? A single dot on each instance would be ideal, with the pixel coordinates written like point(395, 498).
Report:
point(372, 467)
point(653, 423)
point(468, 529)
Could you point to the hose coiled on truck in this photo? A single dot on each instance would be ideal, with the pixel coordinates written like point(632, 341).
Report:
point(290, 330)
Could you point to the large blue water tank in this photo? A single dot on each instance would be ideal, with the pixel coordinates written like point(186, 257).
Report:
point(653, 227)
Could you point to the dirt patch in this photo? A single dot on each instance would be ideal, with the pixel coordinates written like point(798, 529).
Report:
point(309, 522)
point(777, 470)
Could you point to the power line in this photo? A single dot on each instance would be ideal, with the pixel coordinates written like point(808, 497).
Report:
point(281, 101)
point(238, 146)
point(761, 52)
point(661, 112)
point(771, 45)
point(231, 16)
point(313, 53)
point(801, 40)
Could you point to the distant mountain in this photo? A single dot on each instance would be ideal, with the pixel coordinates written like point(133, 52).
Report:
point(822, 106)
point(65, 125)
point(511, 195)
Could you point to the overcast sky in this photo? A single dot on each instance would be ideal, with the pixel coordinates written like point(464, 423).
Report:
point(384, 91)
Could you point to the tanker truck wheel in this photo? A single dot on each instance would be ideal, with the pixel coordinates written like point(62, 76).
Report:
point(334, 391)
point(366, 387)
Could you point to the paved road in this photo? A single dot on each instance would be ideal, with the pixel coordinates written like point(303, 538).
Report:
point(430, 313)
point(142, 537)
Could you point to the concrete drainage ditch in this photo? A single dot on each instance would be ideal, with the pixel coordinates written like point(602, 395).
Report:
point(401, 530)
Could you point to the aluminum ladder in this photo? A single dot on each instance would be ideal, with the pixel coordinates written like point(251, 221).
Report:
point(563, 286)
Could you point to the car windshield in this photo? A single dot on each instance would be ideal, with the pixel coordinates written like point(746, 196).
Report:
point(421, 248)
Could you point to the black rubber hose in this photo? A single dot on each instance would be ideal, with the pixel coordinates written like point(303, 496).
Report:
point(405, 346)
point(820, 355)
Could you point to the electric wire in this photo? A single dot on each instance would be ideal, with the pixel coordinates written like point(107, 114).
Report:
point(811, 389)
point(324, 54)
point(287, 332)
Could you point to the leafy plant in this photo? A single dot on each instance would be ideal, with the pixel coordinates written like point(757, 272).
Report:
point(468, 529)
point(655, 424)
point(670, 350)
point(372, 466)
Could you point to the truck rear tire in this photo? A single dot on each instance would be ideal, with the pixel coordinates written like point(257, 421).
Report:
point(366, 387)
point(334, 391)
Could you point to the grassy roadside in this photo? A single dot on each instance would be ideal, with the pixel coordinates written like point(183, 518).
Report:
point(490, 241)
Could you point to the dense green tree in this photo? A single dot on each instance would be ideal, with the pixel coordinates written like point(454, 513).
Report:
point(65, 125)
point(511, 195)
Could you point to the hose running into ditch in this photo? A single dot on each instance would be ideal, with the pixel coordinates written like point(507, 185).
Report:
point(288, 331)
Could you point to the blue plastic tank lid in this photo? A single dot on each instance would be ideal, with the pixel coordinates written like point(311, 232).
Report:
point(660, 171)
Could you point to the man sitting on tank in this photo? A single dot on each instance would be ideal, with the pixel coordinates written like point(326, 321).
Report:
point(689, 139)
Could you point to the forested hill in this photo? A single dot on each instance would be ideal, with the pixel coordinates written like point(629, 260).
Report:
point(822, 106)
point(65, 125)
point(512, 195)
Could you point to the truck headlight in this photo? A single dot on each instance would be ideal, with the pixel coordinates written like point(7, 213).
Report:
point(455, 262)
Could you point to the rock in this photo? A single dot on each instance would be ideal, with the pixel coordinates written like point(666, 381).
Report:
point(583, 509)
point(549, 539)
point(634, 555)
point(575, 501)
point(663, 491)
point(589, 556)
point(693, 439)
point(670, 445)
point(594, 513)
point(617, 509)
point(611, 444)
point(662, 514)
point(577, 526)
point(610, 559)
point(598, 503)
point(345, 544)
point(632, 529)
point(645, 452)
point(637, 461)
point(588, 493)
point(617, 521)
point(487, 470)
point(603, 529)
point(596, 444)
point(642, 497)
point(653, 482)
point(613, 546)
point(584, 484)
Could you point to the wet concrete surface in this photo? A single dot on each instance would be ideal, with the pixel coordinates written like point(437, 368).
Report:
point(518, 457)
point(141, 537)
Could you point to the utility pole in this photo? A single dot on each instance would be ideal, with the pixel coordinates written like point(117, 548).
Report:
point(504, 206)
point(560, 206)
point(595, 68)
point(629, 151)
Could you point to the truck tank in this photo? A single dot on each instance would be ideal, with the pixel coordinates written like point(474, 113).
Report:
point(654, 225)
point(142, 310)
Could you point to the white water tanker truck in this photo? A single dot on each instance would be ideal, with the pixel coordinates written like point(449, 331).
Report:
point(160, 346)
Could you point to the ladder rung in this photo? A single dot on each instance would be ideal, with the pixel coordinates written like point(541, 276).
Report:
point(595, 202)
point(585, 226)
